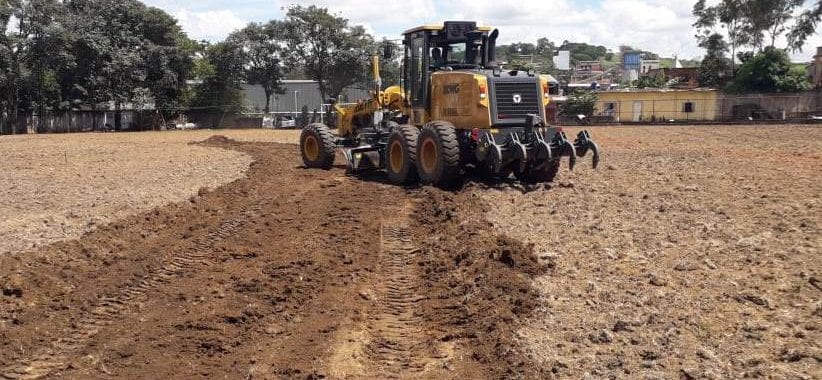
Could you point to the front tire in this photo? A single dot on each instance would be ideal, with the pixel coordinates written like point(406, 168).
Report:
point(401, 165)
point(438, 154)
point(317, 145)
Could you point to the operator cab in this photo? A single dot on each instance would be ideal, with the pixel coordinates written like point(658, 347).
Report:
point(458, 45)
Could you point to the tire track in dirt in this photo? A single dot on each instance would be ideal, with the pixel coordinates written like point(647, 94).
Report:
point(397, 347)
point(330, 278)
point(54, 358)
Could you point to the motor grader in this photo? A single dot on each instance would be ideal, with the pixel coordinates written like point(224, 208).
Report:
point(457, 109)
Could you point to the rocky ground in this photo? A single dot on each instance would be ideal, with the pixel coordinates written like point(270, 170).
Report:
point(694, 252)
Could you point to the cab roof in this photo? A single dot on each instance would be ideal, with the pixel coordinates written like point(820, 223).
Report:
point(439, 28)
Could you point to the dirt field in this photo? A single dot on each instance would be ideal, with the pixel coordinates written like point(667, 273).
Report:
point(60, 186)
point(694, 252)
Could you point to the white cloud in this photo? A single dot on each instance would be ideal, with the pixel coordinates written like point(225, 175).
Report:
point(662, 26)
point(209, 25)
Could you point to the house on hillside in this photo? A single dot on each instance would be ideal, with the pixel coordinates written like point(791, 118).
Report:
point(589, 67)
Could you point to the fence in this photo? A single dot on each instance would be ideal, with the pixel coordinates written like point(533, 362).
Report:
point(81, 121)
point(704, 106)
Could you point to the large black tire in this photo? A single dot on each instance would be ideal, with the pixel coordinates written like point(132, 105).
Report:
point(545, 174)
point(317, 145)
point(438, 154)
point(401, 155)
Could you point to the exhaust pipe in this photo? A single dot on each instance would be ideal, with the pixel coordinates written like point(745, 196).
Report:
point(492, 48)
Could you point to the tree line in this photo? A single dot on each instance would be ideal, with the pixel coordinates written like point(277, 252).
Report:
point(62, 55)
point(751, 31)
point(57, 56)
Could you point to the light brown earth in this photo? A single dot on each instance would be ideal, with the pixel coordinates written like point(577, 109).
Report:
point(694, 252)
point(56, 187)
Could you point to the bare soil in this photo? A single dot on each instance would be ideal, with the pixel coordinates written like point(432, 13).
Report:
point(285, 273)
point(57, 187)
point(696, 252)
point(692, 253)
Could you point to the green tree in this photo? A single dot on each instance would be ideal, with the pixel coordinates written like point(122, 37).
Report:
point(9, 71)
point(729, 16)
point(715, 67)
point(329, 49)
point(580, 102)
point(261, 49)
point(62, 54)
point(220, 88)
point(39, 49)
point(651, 81)
point(768, 17)
point(391, 68)
point(167, 58)
point(584, 52)
point(805, 26)
point(125, 51)
point(769, 71)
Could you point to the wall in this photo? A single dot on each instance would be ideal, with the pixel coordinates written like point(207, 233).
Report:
point(308, 94)
point(657, 105)
point(85, 121)
point(798, 105)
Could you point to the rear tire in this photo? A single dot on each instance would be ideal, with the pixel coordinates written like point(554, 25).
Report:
point(317, 145)
point(438, 154)
point(401, 155)
point(545, 174)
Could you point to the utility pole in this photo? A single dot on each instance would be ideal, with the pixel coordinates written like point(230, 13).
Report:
point(296, 107)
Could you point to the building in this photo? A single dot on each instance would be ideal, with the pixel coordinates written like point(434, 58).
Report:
point(652, 105)
point(589, 67)
point(631, 60)
point(298, 93)
point(687, 78)
point(631, 64)
point(647, 65)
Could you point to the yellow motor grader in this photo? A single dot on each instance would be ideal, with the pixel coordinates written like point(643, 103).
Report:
point(457, 108)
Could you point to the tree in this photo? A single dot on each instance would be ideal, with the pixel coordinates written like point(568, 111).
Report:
point(768, 17)
point(125, 50)
point(805, 26)
point(731, 16)
point(261, 50)
point(65, 53)
point(40, 46)
point(9, 72)
point(715, 67)
point(391, 68)
point(580, 102)
point(769, 71)
point(329, 50)
point(220, 88)
point(648, 81)
point(167, 60)
point(584, 52)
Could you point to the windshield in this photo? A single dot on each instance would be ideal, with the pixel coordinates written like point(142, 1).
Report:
point(456, 53)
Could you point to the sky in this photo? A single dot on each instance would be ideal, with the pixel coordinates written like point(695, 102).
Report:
point(661, 26)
